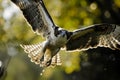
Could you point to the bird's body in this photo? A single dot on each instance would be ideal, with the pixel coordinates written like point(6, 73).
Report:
point(47, 52)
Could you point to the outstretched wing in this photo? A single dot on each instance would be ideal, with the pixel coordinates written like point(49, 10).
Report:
point(103, 35)
point(36, 15)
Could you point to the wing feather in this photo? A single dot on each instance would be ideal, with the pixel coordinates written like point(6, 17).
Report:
point(103, 35)
point(36, 15)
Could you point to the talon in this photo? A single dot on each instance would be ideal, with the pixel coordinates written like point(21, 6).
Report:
point(48, 63)
point(45, 64)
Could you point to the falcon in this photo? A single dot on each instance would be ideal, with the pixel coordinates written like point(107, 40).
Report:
point(47, 52)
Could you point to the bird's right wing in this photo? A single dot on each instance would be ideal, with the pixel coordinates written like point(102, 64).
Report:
point(37, 16)
point(102, 35)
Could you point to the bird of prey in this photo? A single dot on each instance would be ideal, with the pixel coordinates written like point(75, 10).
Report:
point(47, 52)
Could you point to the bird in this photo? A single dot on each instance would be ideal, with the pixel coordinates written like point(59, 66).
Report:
point(46, 53)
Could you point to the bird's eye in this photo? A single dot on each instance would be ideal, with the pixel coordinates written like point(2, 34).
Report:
point(57, 32)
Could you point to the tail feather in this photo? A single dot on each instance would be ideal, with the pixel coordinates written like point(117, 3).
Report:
point(31, 48)
point(56, 60)
point(35, 52)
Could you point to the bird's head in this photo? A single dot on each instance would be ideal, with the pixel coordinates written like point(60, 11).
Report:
point(61, 37)
point(59, 32)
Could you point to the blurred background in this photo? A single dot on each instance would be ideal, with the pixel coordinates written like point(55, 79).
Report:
point(94, 64)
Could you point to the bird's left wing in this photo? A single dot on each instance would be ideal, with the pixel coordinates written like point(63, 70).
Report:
point(36, 15)
point(41, 22)
point(103, 35)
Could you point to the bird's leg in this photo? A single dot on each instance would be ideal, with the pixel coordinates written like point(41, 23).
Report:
point(49, 54)
point(46, 60)
point(46, 54)
point(47, 57)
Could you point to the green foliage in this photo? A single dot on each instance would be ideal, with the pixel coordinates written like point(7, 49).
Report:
point(68, 14)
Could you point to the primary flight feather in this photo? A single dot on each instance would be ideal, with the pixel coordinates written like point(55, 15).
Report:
point(47, 52)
